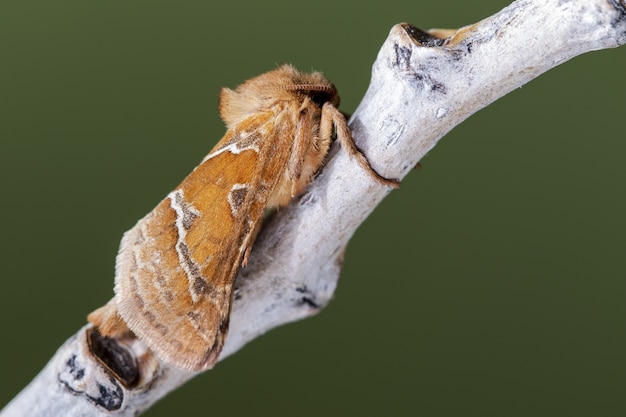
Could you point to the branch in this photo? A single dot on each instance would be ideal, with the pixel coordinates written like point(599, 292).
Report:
point(422, 86)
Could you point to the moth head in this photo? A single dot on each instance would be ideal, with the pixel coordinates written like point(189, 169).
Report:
point(267, 90)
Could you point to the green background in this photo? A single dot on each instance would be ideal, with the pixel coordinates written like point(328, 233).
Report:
point(491, 284)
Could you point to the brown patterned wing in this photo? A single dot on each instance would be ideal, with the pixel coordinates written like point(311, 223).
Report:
point(176, 266)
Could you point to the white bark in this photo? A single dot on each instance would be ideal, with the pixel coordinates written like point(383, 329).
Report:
point(418, 92)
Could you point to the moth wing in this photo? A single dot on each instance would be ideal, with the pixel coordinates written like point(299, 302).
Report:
point(176, 266)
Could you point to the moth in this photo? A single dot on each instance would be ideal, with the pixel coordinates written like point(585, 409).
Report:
point(176, 267)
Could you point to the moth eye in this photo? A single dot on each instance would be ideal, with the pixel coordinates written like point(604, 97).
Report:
point(320, 97)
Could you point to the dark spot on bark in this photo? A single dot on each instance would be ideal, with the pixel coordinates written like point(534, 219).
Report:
point(109, 399)
point(421, 37)
point(620, 6)
point(119, 361)
point(309, 302)
point(428, 83)
point(403, 57)
point(620, 20)
point(76, 371)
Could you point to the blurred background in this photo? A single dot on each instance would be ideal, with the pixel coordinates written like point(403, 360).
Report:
point(490, 284)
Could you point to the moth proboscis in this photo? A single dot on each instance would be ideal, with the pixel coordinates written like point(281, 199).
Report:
point(175, 268)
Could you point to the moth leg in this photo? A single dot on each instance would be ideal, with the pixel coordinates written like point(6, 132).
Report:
point(304, 137)
point(325, 135)
point(330, 114)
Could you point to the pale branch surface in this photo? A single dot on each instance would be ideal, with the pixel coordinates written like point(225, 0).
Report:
point(421, 88)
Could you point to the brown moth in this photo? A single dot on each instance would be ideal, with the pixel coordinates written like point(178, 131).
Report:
point(175, 268)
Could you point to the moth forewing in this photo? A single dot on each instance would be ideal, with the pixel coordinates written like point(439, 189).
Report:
point(176, 267)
